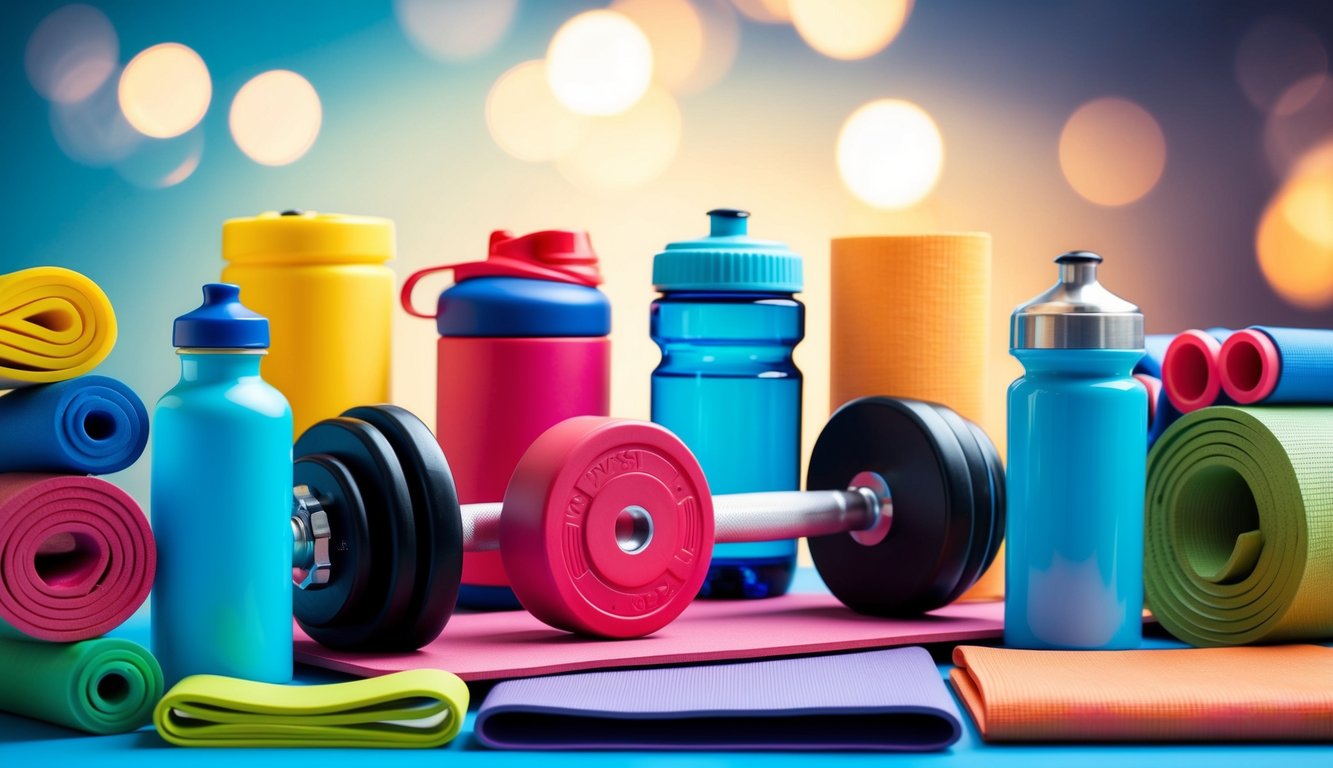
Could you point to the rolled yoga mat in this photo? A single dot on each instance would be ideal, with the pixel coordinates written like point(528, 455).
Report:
point(1283, 693)
point(883, 700)
point(1161, 413)
point(107, 685)
point(1278, 365)
point(910, 317)
point(55, 324)
point(419, 708)
point(1190, 372)
point(92, 425)
point(76, 557)
point(1239, 516)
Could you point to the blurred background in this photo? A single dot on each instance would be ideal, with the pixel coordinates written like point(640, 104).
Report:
point(1190, 143)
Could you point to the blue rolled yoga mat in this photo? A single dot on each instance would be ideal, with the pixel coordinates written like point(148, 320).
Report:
point(1278, 365)
point(91, 425)
point(1161, 412)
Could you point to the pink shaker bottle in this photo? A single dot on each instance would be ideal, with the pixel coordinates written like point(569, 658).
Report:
point(523, 345)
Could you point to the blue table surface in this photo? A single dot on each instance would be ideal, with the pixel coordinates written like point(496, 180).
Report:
point(25, 742)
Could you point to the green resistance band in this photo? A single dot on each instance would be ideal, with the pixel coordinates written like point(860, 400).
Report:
point(417, 708)
point(1239, 545)
point(106, 685)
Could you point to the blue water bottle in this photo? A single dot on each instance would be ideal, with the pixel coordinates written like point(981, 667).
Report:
point(222, 502)
point(727, 323)
point(1077, 460)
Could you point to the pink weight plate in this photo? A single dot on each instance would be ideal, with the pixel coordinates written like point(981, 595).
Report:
point(607, 528)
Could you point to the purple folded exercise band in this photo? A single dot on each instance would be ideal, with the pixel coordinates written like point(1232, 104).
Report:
point(891, 700)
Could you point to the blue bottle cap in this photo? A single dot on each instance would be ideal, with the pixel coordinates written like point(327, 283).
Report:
point(221, 322)
point(728, 260)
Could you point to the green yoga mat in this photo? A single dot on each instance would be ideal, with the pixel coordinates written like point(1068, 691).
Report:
point(1239, 544)
point(106, 685)
point(417, 708)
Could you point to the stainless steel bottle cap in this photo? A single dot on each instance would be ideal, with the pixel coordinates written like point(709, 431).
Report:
point(1077, 312)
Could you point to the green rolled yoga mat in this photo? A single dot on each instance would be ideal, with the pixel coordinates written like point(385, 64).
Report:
point(416, 708)
point(1239, 544)
point(106, 685)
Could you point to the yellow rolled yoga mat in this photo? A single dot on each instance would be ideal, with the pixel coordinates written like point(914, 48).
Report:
point(1239, 544)
point(55, 324)
point(909, 318)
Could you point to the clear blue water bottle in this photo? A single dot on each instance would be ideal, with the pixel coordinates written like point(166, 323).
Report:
point(727, 323)
point(1077, 463)
point(222, 502)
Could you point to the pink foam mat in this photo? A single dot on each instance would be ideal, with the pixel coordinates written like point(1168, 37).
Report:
point(512, 644)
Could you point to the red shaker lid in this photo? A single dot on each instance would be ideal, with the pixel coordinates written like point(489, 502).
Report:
point(562, 255)
point(559, 255)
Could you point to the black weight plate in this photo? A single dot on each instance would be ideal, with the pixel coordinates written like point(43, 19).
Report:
point(393, 556)
point(917, 565)
point(998, 492)
point(980, 518)
point(349, 582)
point(439, 525)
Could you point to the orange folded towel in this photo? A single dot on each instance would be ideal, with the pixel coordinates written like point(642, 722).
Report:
point(1258, 693)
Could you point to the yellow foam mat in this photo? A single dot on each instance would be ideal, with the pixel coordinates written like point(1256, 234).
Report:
point(55, 324)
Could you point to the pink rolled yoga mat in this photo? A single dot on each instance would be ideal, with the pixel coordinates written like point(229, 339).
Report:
point(496, 646)
point(76, 557)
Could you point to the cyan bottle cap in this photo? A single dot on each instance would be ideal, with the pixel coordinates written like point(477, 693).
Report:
point(728, 259)
point(221, 322)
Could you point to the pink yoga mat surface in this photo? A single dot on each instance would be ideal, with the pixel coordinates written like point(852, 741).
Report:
point(512, 644)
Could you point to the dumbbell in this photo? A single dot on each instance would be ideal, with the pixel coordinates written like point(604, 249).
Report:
point(607, 525)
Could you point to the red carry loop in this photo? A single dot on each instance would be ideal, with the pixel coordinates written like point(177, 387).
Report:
point(564, 256)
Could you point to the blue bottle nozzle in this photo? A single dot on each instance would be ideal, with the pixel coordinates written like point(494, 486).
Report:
point(728, 222)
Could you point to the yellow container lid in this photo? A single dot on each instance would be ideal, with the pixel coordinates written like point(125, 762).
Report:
point(306, 236)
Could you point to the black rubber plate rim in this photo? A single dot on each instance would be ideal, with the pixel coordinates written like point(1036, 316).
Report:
point(393, 559)
point(439, 527)
point(920, 561)
point(982, 517)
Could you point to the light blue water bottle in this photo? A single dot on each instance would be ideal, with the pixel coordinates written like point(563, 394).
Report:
point(222, 502)
point(727, 323)
point(1077, 460)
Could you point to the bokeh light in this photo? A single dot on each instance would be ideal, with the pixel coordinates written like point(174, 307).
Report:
point(722, 41)
point(455, 29)
point(890, 153)
point(599, 63)
point(1276, 54)
point(675, 32)
point(1294, 242)
point(849, 29)
point(526, 121)
point(1300, 121)
point(162, 163)
point(765, 11)
point(1112, 152)
point(629, 149)
point(165, 90)
point(275, 117)
point(71, 54)
point(93, 131)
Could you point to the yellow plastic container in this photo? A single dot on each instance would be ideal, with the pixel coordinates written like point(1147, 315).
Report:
point(321, 280)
